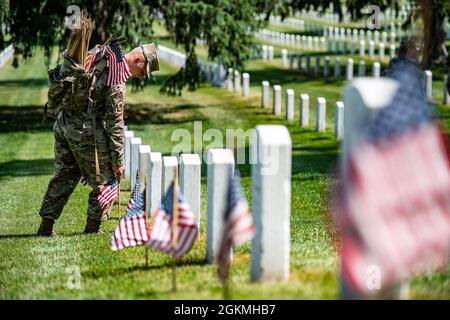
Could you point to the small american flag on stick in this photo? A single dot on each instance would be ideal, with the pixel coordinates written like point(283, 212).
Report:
point(118, 70)
point(238, 225)
point(108, 194)
point(132, 229)
point(161, 230)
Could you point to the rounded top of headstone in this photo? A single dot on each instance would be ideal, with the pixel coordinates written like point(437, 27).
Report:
point(289, 91)
point(321, 100)
point(129, 134)
point(144, 148)
point(273, 135)
point(277, 87)
point(339, 104)
point(265, 83)
point(190, 158)
point(155, 156)
point(372, 92)
point(224, 156)
point(304, 96)
point(170, 161)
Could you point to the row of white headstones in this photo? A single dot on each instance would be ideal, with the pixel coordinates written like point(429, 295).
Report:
point(336, 44)
point(235, 85)
point(271, 146)
point(313, 17)
point(317, 26)
point(289, 59)
point(271, 206)
point(233, 81)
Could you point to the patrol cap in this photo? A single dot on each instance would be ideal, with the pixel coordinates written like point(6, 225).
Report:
point(151, 58)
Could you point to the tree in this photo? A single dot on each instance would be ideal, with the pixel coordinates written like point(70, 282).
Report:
point(433, 13)
point(225, 26)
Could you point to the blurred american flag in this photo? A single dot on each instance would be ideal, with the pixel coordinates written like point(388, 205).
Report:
point(394, 204)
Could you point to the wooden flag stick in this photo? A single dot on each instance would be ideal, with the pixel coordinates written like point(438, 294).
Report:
point(226, 280)
point(146, 215)
point(175, 228)
point(226, 284)
point(118, 203)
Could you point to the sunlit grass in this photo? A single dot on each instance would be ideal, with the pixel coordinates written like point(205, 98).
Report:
point(37, 268)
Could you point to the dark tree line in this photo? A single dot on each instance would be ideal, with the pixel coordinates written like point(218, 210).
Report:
point(224, 26)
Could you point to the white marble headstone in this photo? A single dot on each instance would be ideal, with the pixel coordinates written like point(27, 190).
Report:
point(276, 99)
point(270, 251)
point(289, 105)
point(220, 166)
point(265, 94)
point(321, 114)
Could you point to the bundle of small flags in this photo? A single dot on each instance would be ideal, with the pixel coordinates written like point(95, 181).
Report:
point(132, 229)
point(238, 225)
point(118, 70)
point(161, 232)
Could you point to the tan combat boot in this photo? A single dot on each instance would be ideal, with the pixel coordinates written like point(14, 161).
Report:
point(92, 226)
point(46, 228)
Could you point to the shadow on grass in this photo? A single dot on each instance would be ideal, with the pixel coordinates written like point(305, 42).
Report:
point(33, 235)
point(24, 82)
point(23, 118)
point(142, 267)
point(26, 168)
point(312, 159)
point(29, 118)
point(283, 76)
point(143, 113)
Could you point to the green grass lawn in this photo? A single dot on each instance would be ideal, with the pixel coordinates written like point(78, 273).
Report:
point(37, 268)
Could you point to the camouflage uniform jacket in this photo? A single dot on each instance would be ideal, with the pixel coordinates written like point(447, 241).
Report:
point(109, 105)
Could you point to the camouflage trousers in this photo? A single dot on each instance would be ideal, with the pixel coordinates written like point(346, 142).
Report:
point(75, 157)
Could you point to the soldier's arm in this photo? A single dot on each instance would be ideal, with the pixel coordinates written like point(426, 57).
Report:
point(114, 125)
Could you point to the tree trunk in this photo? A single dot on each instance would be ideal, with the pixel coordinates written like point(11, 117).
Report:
point(434, 33)
point(103, 14)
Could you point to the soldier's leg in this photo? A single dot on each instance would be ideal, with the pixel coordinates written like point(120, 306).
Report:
point(65, 179)
point(85, 155)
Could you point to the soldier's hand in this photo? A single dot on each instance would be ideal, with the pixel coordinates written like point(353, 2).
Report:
point(119, 171)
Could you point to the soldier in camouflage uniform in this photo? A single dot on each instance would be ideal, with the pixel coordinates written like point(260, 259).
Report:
point(74, 135)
